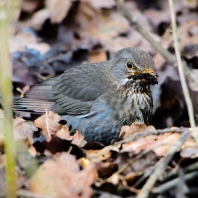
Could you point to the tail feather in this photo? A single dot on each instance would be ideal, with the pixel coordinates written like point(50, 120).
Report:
point(32, 105)
point(37, 99)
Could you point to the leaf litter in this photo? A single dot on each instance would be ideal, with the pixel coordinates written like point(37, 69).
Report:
point(52, 36)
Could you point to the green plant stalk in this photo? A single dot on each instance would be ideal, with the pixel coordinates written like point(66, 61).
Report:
point(6, 91)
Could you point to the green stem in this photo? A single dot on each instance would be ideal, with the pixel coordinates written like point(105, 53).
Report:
point(6, 91)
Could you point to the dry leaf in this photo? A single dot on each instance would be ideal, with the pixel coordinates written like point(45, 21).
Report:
point(130, 177)
point(106, 169)
point(64, 133)
point(134, 128)
point(157, 143)
point(114, 179)
point(189, 152)
point(21, 41)
point(78, 139)
point(97, 57)
point(58, 9)
point(101, 4)
point(29, 6)
point(102, 154)
point(39, 18)
point(48, 123)
point(24, 129)
point(61, 177)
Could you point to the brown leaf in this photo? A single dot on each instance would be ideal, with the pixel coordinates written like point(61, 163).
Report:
point(134, 128)
point(48, 123)
point(20, 41)
point(102, 154)
point(102, 27)
point(101, 4)
point(64, 133)
point(155, 141)
point(78, 139)
point(106, 169)
point(114, 179)
point(130, 177)
point(39, 18)
point(97, 57)
point(24, 129)
point(29, 6)
point(58, 9)
point(189, 153)
point(61, 177)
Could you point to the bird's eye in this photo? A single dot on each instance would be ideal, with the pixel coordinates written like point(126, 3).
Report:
point(129, 64)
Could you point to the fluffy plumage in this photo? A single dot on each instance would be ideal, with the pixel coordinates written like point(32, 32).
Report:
point(98, 98)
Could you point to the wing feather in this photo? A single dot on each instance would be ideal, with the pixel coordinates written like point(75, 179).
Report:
point(73, 92)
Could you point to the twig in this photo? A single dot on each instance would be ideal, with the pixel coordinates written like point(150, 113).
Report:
point(181, 71)
point(147, 133)
point(47, 122)
point(187, 169)
point(165, 53)
point(159, 169)
point(124, 168)
point(165, 187)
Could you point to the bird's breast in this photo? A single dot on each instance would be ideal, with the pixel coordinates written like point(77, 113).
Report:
point(131, 107)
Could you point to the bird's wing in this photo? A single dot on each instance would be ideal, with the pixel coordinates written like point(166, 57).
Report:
point(73, 92)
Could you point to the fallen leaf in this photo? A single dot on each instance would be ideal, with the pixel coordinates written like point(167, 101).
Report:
point(24, 129)
point(94, 57)
point(29, 6)
point(102, 154)
point(39, 18)
point(58, 9)
point(106, 169)
point(161, 144)
point(61, 177)
point(64, 133)
point(134, 128)
point(114, 179)
point(132, 176)
point(20, 41)
point(48, 123)
point(101, 4)
point(78, 139)
point(189, 153)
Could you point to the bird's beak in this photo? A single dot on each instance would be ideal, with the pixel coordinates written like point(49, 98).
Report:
point(145, 71)
point(147, 75)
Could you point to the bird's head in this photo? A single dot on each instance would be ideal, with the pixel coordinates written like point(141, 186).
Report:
point(133, 66)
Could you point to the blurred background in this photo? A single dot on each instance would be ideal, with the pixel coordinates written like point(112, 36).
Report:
point(51, 36)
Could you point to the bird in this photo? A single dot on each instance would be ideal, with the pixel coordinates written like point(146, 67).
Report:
point(98, 98)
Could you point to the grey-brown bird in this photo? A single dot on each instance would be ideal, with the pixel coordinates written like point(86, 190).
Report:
point(99, 98)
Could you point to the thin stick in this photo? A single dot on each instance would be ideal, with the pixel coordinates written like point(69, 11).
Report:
point(181, 70)
point(47, 122)
point(6, 91)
